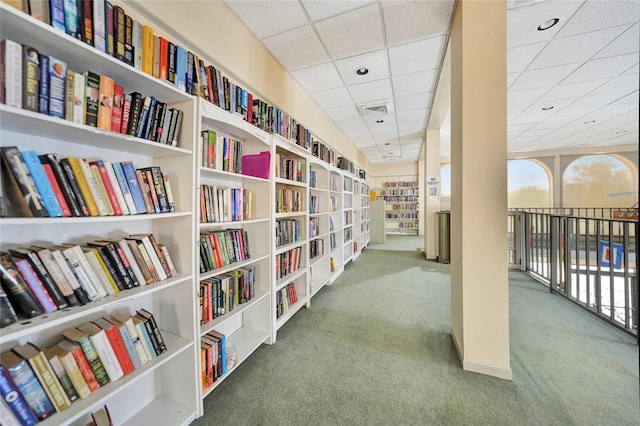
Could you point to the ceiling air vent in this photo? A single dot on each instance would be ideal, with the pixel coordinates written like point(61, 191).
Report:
point(376, 109)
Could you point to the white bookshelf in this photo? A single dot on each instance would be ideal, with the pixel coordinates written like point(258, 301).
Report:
point(336, 224)
point(168, 384)
point(320, 265)
point(249, 324)
point(402, 209)
point(347, 216)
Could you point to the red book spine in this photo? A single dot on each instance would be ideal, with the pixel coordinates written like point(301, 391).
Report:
point(210, 96)
point(118, 104)
point(66, 212)
point(108, 187)
point(85, 369)
point(249, 108)
point(126, 114)
point(113, 334)
point(164, 58)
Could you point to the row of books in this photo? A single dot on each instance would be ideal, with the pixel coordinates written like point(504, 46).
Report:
point(333, 241)
point(314, 204)
point(41, 83)
point(222, 204)
point(288, 262)
point(213, 357)
point(289, 168)
point(220, 152)
point(347, 234)
point(109, 29)
point(402, 184)
point(285, 298)
point(289, 200)
point(402, 215)
point(36, 383)
point(316, 248)
point(346, 164)
point(314, 227)
point(412, 191)
point(41, 279)
point(401, 199)
point(334, 204)
point(287, 231)
point(219, 295)
point(334, 183)
point(46, 186)
point(348, 217)
point(402, 207)
point(221, 248)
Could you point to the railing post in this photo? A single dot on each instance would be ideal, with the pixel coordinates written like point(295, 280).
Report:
point(566, 253)
point(555, 238)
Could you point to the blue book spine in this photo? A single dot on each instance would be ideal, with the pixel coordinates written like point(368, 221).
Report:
point(128, 343)
point(43, 87)
point(223, 343)
point(57, 87)
point(71, 17)
point(149, 121)
point(142, 124)
point(43, 186)
point(134, 186)
point(15, 401)
point(31, 390)
point(145, 334)
point(122, 182)
point(245, 100)
point(181, 68)
point(57, 15)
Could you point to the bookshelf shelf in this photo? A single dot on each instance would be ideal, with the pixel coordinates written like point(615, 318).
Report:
point(15, 221)
point(238, 310)
point(231, 124)
point(161, 410)
point(287, 247)
point(221, 174)
point(290, 182)
point(280, 283)
point(293, 309)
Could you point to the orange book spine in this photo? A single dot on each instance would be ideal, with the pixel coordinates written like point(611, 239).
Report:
point(113, 334)
point(164, 58)
point(85, 369)
point(105, 105)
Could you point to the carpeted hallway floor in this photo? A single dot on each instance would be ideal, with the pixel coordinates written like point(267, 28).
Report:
point(374, 349)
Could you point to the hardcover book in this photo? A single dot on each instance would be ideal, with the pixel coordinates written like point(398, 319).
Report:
point(69, 93)
point(17, 288)
point(99, 33)
point(12, 62)
point(31, 78)
point(42, 184)
point(121, 319)
point(119, 24)
point(68, 372)
point(104, 349)
point(105, 107)
point(76, 336)
point(79, 99)
point(57, 87)
point(117, 343)
point(83, 365)
point(50, 161)
point(57, 15)
point(128, 40)
point(118, 104)
point(43, 86)
point(92, 95)
point(109, 29)
point(21, 190)
point(71, 17)
point(14, 400)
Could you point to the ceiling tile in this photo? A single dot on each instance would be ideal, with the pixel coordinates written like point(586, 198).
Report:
point(321, 9)
point(523, 22)
point(632, 98)
point(556, 105)
point(412, 129)
point(602, 68)
point(370, 151)
point(529, 96)
point(577, 48)
point(358, 132)
point(518, 59)
point(364, 141)
point(544, 77)
point(333, 98)
point(628, 42)
point(376, 62)
point(411, 143)
point(268, 18)
point(386, 119)
point(410, 84)
point(622, 83)
point(511, 77)
point(414, 115)
point(515, 110)
point(633, 70)
point(520, 127)
point(572, 90)
point(406, 103)
point(406, 21)
point(297, 48)
point(595, 15)
point(342, 112)
point(318, 78)
point(371, 91)
point(351, 123)
point(417, 56)
point(352, 33)
point(387, 131)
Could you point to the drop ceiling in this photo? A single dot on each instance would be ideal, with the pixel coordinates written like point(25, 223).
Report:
point(573, 85)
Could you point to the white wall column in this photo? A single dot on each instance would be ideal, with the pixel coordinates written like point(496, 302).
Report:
point(431, 202)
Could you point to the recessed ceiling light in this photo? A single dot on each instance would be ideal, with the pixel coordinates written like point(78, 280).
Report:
point(547, 108)
point(387, 143)
point(621, 131)
point(590, 121)
point(362, 71)
point(390, 152)
point(548, 24)
point(379, 121)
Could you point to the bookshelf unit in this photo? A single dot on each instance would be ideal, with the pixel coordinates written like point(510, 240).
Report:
point(290, 225)
point(319, 260)
point(365, 234)
point(336, 231)
point(248, 324)
point(348, 216)
point(163, 389)
point(402, 207)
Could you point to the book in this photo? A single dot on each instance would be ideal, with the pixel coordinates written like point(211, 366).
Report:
point(40, 10)
point(156, 57)
point(101, 417)
point(117, 344)
point(127, 320)
point(78, 183)
point(12, 64)
point(163, 64)
point(127, 342)
point(31, 160)
point(147, 49)
point(79, 99)
point(124, 187)
point(56, 9)
point(21, 189)
point(134, 186)
point(57, 276)
point(92, 184)
point(122, 276)
point(118, 32)
point(45, 374)
point(109, 18)
point(115, 185)
point(150, 245)
point(99, 33)
point(41, 275)
point(69, 93)
point(14, 400)
point(31, 78)
point(79, 337)
point(7, 417)
point(28, 384)
point(35, 285)
point(83, 271)
point(149, 101)
point(109, 189)
point(99, 182)
point(128, 40)
point(105, 351)
point(43, 85)
point(101, 270)
point(83, 365)
point(137, 45)
point(105, 106)
point(71, 17)
point(51, 160)
point(155, 179)
point(171, 62)
point(128, 259)
point(156, 336)
point(70, 274)
point(61, 374)
point(126, 114)
point(8, 315)
point(59, 356)
point(140, 260)
point(17, 288)
point(86, 7)
point(118, 104)
point(57, 87)
point(57, 191)
point(169, 191)
point(145, 337)
point(92, 98)
point(134, 116)
point(181, 68)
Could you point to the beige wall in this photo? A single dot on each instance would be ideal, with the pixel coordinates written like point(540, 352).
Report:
point(215, 33)
point(378, 173)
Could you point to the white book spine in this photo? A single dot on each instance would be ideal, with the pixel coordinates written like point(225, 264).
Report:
point(93, 187)
point(88, 270)
point(99, 35)
point(13, 73)
point(79, 86)
point(107, 356)
point(137, 341)
point(154, 258)
point(85, 282)
point(66, 271)
point(98, 271)
point(137, 45)
point(116, 188)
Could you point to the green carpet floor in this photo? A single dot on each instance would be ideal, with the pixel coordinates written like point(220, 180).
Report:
point(375, 349)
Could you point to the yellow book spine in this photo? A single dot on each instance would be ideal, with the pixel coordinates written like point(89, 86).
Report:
point(112, 283)
point(147, 49)
point(84, 186)
point(50, 382)
point(75, 375)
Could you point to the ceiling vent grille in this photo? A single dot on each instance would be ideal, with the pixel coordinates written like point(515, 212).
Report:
point(376, 109)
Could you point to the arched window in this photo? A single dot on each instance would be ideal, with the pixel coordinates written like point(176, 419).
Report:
point(528, 184)
point(598, 181)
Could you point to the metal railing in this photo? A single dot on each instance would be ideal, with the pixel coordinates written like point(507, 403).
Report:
point(599, 212)
point(589, 260)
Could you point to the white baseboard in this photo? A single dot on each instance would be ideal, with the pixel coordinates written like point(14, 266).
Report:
point(481, 367)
